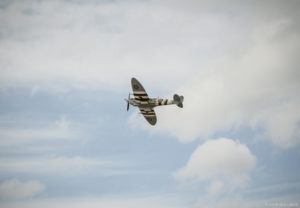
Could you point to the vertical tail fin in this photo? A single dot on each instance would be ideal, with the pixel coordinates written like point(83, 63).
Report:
point(178, 100)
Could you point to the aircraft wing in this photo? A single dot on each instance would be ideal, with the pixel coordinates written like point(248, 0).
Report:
point(149, 115)
point(139, 92)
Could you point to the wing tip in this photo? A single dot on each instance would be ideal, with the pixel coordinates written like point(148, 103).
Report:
point(152, 123)
point(151, 120)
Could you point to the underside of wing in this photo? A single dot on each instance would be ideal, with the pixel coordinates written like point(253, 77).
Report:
point(139, 92)
point(149, 115)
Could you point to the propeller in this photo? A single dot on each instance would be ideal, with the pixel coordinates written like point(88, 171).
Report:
point(128, 102)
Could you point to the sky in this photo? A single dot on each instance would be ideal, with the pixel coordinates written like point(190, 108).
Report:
point(66, 139)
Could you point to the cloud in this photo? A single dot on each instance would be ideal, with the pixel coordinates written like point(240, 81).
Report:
point(61, 129)
point(61, 165)
point(246, 84)
point(233, 62)
point(85, 45)
point(236, 63)
point(215, 187)
point(290, 200)
point(281, 124)
point(163, 201)
point(151, 201)
point(16, 190)
point(223, 162)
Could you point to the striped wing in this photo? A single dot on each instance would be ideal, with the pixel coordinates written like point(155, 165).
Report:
point(149, 115)
point(139, 92)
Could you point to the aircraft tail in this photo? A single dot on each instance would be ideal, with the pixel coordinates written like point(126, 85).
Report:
point(178, 100)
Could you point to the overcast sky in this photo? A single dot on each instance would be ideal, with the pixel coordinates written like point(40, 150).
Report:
point(66, 139)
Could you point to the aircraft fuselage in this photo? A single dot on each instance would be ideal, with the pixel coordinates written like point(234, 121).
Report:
point(150, 103)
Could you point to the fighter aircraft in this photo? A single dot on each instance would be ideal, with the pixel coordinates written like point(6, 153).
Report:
point(146, 104)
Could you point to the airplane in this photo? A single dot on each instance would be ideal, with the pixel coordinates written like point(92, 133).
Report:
point(146, 104)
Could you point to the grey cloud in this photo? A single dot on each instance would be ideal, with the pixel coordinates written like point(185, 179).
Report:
point(17, 190)
point(62, 129)
point(233, 61)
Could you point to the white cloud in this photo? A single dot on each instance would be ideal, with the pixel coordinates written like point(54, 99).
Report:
point(236, 92)
point(281, 124)
point(223, 162)
point(238, 89)
point(215, 187)
point(16, 190)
